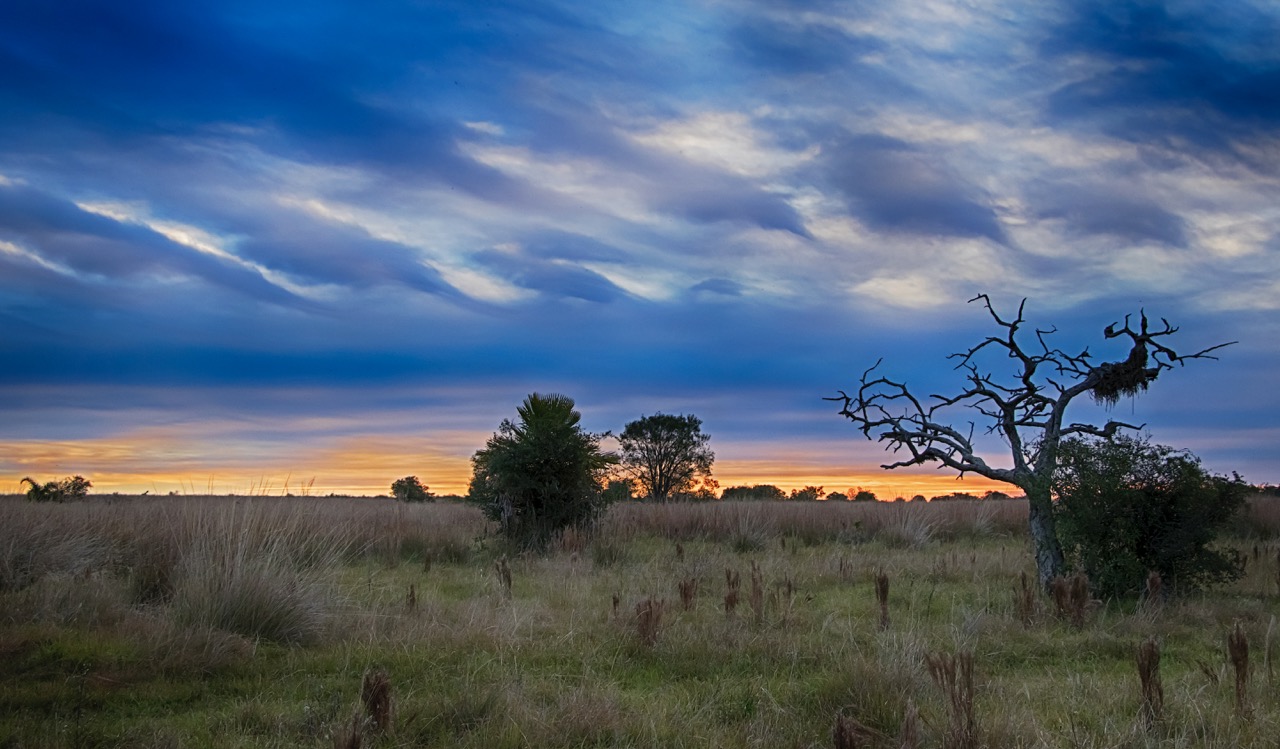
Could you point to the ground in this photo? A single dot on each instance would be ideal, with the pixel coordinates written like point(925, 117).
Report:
point(190, 622)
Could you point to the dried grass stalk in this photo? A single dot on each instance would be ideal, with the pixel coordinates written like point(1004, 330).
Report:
point(882, 597)
point(757, 593)
point(1155, 589)
point(503, 570)
point(909, 733)
point(1152, 709)
point(850, 734)
point(648, 620)
point(375, 695)
point(732, 582)
point(350, 736)
point(688, 592)
point(954, 674)
point(1071, 598)
point(1238, 650)
point(1025, 600)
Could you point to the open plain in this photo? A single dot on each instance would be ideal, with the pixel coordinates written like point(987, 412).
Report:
point(283, 622)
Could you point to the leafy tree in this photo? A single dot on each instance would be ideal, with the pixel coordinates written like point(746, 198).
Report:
point(1027, 410)
point(542, 473)
point(863, 495)
point(807, 494)
point(704, 490)
point(71, 488)
point(410, 489)
point(1127, 507)
point(759, 492)
point(666, 454)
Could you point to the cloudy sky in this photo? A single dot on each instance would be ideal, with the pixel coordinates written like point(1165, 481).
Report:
point(246, 245)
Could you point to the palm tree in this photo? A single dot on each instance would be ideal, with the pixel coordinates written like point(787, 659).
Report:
point(541, 474)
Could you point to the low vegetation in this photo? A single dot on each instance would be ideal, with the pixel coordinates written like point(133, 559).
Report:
point(191, 622)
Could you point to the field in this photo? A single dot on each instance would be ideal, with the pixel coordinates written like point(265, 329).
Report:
point(220, 622)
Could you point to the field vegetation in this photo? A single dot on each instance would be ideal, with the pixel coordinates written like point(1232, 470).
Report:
point(309, 622)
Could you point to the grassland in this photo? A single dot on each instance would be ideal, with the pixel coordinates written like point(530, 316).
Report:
point(217, 622)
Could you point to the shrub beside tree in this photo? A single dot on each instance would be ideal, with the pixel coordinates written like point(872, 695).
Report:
point(1026, 407)
point(1127, 507)
point(541, 474)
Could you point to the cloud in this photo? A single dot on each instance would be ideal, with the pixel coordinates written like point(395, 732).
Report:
point(718, 286)
point(552, 278)
point(1168, 75)
point(892, 185)
point(90, 245)
point(1098, 209)
point(785, 46)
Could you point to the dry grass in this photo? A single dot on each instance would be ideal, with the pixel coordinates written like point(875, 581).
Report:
point(1238, 653)
point(954, 675)
point(573, 660)
point(1071, 598)
point(1152, 709)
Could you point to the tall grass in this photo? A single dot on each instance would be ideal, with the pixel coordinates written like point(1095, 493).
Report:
point(811, 523)
point(165, 630)
point(248, 570)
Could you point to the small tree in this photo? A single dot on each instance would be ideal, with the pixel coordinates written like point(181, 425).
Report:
point(1126, 507)
point(68, 489)
point(757, 493)
point(1027, 410)
point(862, 495)
point(807, 494)
point(542, 473)
point(666, 454)
point(410, 489)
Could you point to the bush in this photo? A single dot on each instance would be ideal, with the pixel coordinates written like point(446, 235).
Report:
point(410, 489)
point(74, 487)
point(1126, 507)
point(541, 475)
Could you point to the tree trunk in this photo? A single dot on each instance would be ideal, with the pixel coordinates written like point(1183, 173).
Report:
point(1044, 535)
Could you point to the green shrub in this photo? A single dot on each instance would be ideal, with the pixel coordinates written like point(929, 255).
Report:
point(1126, 507)
point(542, 474)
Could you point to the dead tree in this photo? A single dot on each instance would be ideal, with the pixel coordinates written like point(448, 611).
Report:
point(1028, 410)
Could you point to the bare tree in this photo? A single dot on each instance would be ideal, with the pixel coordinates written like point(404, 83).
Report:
point(1028, 411)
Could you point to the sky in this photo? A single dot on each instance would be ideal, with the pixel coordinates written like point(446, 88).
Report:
point(317, 246)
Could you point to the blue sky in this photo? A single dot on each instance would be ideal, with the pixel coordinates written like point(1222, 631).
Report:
point(246, 243)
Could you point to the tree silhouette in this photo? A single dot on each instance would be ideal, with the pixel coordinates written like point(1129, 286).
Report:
point(666, 454)
point(1027, 410)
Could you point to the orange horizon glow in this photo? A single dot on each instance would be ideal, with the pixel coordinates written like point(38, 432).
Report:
point(205, 461)
point(294, 483)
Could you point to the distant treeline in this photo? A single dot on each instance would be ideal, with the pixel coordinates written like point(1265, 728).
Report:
point(769, 492)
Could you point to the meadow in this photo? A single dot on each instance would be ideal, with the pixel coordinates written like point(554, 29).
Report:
point(324, 622)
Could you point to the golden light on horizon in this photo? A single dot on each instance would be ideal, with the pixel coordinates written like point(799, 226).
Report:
point(163, 461)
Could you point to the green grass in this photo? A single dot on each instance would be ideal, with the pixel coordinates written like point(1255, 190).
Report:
point(85, 661)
